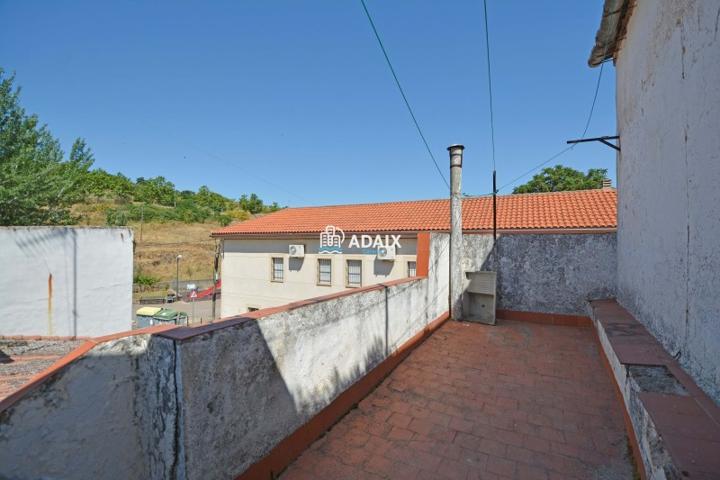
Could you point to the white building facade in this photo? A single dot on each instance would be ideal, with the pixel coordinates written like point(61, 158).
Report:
point(266, 272)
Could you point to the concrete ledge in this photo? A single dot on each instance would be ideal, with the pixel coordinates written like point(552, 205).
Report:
point(676, 426)
point(545, 318)
point(291, 447)
point(45, 375)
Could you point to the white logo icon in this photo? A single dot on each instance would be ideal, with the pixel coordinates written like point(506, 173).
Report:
point(331, 239)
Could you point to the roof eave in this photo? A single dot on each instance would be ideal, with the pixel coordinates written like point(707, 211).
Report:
point(529, 230)
point(612, 29)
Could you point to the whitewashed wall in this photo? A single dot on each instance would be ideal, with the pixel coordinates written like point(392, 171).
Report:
point(668, 241)
point(65, 281)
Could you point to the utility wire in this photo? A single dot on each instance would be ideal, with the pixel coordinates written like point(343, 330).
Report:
point(247, 172)
point(592, 107)
point(566, 149)
point(402, 93)
point(490, 92)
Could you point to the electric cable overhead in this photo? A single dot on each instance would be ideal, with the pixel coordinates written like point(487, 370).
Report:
point(490, 91)
point(566, 149)
point(248, 172)
point(402, 93)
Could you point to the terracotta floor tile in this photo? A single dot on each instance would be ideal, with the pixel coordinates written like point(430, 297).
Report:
point(517, 400)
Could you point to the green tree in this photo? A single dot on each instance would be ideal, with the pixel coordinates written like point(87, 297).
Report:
point(214, 201)
point(560, 179)
point(101, 184)
point(155, 190)
point(37, 186)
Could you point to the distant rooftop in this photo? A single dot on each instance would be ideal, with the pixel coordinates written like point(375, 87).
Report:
point(582, 209)
point(22, 359)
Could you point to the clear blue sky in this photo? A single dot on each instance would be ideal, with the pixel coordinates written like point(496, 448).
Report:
point(293, 100)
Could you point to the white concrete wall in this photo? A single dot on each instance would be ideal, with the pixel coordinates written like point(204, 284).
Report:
point(246, 269)
point(65, 281)
point(668, 113)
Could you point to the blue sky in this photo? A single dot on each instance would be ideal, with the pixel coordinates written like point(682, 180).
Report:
point(293, 100)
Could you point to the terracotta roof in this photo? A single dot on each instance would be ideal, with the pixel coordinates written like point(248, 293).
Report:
point(583, 209)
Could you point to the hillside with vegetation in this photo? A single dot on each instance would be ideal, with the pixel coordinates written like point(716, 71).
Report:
point(40, 185)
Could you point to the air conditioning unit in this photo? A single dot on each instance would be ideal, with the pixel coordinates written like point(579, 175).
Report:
point(297, 251)
point(386, 253)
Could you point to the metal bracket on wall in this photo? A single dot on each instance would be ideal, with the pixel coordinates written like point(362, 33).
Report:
point(599, 139)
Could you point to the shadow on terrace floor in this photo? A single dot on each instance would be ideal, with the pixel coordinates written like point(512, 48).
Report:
point(519, 400)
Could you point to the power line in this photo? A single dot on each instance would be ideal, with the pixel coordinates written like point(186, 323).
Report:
point(490, 92)
point(247, 172)
point(402, 93)
point(566, 149)
point(592, 107)
point(558, 154)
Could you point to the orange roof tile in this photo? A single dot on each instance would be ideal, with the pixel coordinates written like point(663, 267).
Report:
point(583, 209)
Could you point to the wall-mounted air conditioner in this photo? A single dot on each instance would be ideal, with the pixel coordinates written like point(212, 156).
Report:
point(297, 251)
point(386, 253)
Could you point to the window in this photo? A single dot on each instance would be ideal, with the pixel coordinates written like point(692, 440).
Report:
point(354, 273)
point(278, 269)
point(412, 269)
point(324, 271)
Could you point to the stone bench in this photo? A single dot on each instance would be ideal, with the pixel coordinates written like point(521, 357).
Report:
point(676, 425)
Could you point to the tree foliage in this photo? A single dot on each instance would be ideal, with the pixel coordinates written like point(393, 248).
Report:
point(560, 178)
point(38, 186)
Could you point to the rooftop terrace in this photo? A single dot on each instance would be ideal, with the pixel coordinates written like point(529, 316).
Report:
point(519, 400)
point(376, 382)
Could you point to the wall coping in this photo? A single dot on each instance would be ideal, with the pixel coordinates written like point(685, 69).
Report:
point(45, 375)
point(185, 333)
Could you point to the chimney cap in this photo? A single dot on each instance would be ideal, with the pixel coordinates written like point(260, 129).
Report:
point(456, 146)
point(606, 183)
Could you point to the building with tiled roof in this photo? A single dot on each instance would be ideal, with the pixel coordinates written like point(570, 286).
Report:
point(279, 258)
point(590, 210)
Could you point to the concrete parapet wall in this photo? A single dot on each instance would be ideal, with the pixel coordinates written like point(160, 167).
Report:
point(548, 273)
point(92, 417)
point(248, 387)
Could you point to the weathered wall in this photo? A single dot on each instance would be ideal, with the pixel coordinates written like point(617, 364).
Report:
point(668, 112)
point(97, 418)
point(246, 271)
point(546, 273)
point(188, 405)
point(247, 387)
point(65, 281)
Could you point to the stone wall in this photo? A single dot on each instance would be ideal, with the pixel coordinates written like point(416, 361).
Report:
point(548, 273)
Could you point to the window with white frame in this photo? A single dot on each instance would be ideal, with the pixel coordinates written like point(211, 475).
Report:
point(411, 269)
point(324, 271)
point(278, 269)
point(354, 273)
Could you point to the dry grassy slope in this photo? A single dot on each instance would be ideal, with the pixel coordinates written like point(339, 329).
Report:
point(160, 243)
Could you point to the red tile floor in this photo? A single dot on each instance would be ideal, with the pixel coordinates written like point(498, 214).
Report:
point(517, 400)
